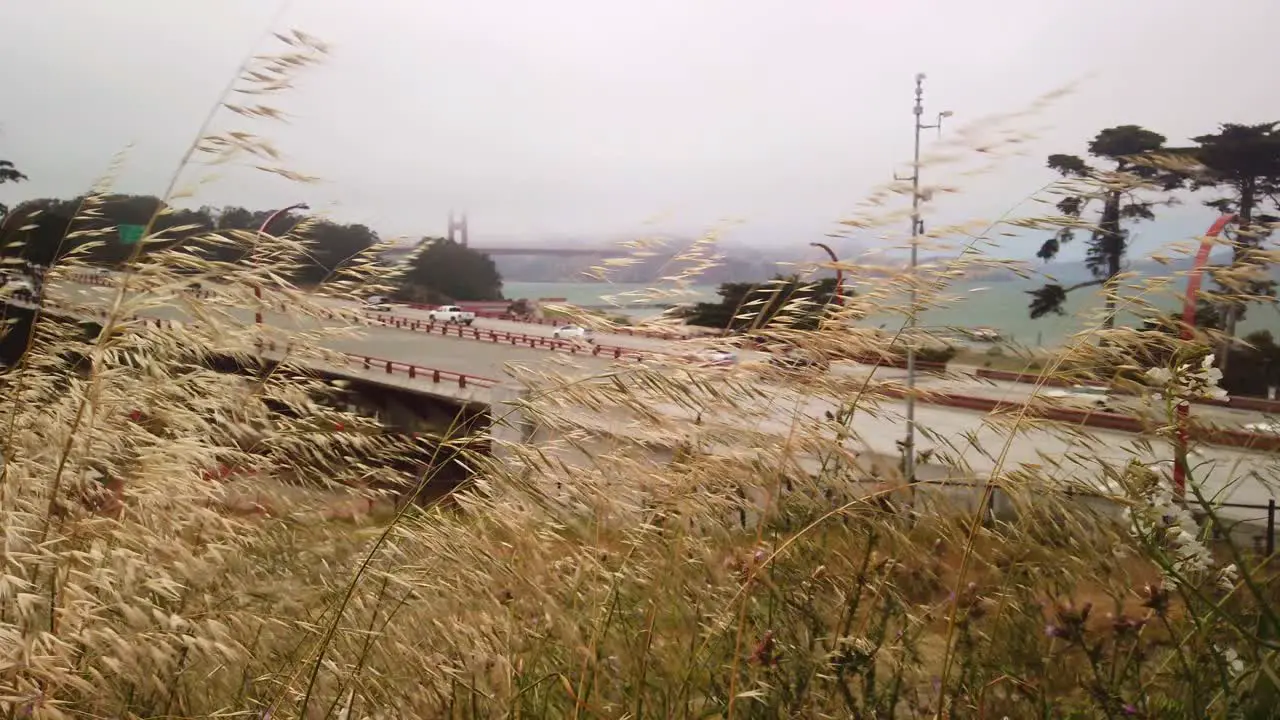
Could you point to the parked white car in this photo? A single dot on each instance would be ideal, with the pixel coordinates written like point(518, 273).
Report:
point(451, 314)
point(573, 332)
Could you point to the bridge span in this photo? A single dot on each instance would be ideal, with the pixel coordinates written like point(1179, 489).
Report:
point(555, 252)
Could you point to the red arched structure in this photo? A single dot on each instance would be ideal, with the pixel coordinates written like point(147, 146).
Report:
point(1188, 322)
point(839, 272)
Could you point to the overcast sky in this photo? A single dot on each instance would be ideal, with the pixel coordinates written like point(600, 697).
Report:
point(591, 117)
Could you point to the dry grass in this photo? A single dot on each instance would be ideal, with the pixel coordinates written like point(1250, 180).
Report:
point(999, 358)
point(688, 543)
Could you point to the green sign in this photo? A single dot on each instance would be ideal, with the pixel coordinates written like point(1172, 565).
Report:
point(130, 234)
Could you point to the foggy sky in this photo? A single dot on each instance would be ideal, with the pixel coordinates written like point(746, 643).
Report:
point(592, 117)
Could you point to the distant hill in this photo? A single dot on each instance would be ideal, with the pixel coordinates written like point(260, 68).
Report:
point(736, 262)
point(743, 262)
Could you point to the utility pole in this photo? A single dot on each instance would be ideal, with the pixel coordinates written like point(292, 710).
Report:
point(917, 226)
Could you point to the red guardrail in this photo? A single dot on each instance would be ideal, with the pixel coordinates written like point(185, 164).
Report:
point(1097, 419)
point(417, 372)
point(90, 279)
point(561, 321)
point(633, 332)
point(901, 363)
point(414, 372)
point(1237, 402)
point(105, 281)
point(499, 336)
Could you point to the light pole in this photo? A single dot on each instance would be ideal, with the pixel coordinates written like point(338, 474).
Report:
point(909, 445)
point(839, 273)
point(262, 230)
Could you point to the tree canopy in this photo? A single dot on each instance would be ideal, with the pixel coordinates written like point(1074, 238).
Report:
point(1242, 161)
point(8, 174)
point(1125, 151)
point(443, 271)
point(42, 231)
point(39, 230)
point(784, 299)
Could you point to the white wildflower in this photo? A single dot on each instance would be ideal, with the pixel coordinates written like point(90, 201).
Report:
point(1232, 658)
point(1229, 577)
point(1158, 517)
point(1188, 381)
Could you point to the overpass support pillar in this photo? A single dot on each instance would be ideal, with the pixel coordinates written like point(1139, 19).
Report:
point(510, 426)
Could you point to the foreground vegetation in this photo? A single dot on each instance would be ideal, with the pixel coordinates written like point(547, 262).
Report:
point(741, 550)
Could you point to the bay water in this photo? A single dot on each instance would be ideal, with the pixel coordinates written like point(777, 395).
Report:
point(964, 304)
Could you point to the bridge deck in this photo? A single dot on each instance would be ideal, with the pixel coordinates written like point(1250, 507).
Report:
point(560, 252)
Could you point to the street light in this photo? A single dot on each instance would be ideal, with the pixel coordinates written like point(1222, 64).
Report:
point(909, 445)
point(262, 230)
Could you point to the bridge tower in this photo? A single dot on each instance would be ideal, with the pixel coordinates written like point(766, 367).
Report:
point(458, 225)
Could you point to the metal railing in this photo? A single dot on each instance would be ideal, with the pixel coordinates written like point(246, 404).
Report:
point(633, 332)
point(1252, 523)
point(395, 367)
point(500, 336)
point(1238, 402)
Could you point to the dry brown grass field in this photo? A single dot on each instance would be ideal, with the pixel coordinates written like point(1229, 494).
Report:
point(752, 574)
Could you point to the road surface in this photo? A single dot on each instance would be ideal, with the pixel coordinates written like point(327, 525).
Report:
point(495, 359)
point(1239, 473)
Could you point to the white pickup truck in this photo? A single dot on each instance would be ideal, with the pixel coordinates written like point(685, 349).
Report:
point(451, 314)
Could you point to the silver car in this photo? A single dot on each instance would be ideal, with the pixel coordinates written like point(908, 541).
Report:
point(573, 332)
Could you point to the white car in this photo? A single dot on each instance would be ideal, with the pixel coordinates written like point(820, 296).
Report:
point(377, 303)
point(451, 314)
point(572, 332)
point(1098, 398)
point(718, 358)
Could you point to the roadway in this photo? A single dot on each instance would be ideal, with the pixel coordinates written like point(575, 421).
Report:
point(961, 441)
point(957, 382)
point(960, 432)
point(494, 359)
point(467, 356)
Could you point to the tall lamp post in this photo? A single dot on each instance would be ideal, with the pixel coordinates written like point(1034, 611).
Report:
point(917, 226)
point(262, 230)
